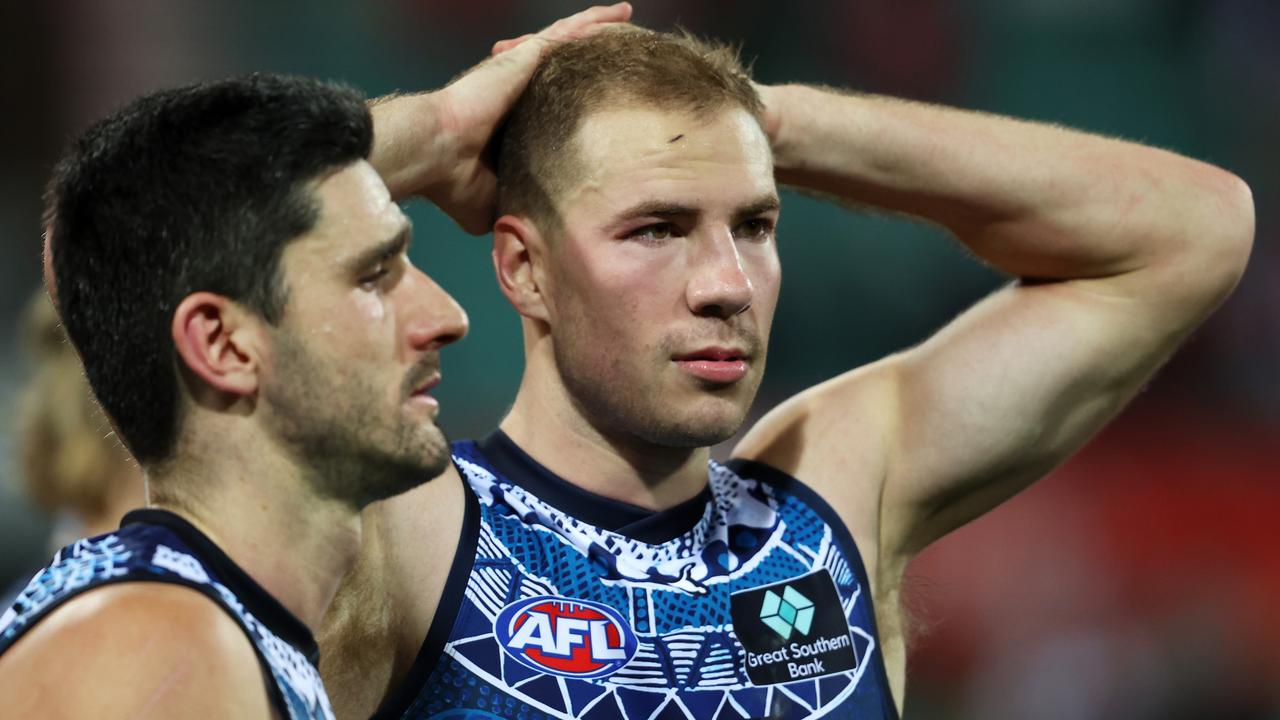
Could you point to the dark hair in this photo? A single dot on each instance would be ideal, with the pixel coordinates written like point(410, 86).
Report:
point(670, 71)
point(191, 189)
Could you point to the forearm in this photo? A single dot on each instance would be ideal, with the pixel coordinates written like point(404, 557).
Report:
point(1032, 199)
point(409, 149)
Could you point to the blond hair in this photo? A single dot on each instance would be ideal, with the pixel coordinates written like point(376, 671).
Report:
point(674, 72)
point(68, 452)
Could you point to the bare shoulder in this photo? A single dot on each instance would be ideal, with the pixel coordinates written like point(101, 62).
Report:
point(835, 437)
point(133, 649)
point(386, 603)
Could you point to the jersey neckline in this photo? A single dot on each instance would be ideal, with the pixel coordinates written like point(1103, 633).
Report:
point(653, 527)
point(262, 604)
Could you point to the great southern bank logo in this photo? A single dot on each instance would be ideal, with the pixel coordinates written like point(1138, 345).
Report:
point(793, 630)
point(565, 636)
point(783, 613)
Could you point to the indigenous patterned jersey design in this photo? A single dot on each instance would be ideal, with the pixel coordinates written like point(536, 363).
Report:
point(753, 604)
point(157, 546)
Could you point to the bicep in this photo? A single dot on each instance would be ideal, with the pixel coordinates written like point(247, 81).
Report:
point(1007, 391)
point(909, 448)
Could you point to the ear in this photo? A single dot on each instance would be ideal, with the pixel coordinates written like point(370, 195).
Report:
point(218, 341)
point(519, 256)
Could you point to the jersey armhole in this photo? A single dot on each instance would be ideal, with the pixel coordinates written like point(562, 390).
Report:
point(781, 480)
point(455, 587)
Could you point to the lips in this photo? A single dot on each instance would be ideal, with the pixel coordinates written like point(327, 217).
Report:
point(717, 365)
point(425, 386)
point(714, 354)
point(419, 383)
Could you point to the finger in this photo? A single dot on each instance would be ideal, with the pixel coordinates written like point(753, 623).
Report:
point(504, 45)
point(576, 24)
point(617, 12)
point(571, 26)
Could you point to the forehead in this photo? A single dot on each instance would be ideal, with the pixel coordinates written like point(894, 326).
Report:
point(356, 212)
point(631, 153)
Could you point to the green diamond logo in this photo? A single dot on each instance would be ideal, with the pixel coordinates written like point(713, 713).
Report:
point(786, 612)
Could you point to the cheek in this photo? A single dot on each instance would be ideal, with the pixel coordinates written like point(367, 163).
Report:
point(368, 307)
point(623, 288)
point(760, 260)
point(610, 331)
point(763, 268)
point(352, 326)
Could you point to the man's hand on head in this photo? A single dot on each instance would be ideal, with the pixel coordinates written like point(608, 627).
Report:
point(574, 26)
point(771, 118)
point(471, 108)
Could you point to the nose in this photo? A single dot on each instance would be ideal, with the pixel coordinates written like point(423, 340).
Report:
point(433, 318)
point(718, 285)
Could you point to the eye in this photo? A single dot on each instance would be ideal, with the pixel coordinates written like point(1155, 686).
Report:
point(655, 233)
point(370, 280)
point(754, 229)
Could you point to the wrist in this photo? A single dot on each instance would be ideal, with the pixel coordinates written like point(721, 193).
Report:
point(410, 146)
point(779, 119)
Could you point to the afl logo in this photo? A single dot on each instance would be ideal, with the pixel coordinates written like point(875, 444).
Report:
point(566, 637)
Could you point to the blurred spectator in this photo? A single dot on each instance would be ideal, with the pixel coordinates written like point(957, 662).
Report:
point(72, 465)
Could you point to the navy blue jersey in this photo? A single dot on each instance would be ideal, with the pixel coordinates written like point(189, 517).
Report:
point(158, 546)
point(748, 601)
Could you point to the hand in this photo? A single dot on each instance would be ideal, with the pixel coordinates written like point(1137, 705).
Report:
point(473, 106)
point(770, 120)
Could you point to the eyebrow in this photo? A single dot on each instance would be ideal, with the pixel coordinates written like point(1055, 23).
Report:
point(765, 204)
point(657, 208)
point(384, 250)
point(664, 209)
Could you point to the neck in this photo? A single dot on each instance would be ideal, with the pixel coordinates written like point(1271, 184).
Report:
point(122, 492)
point(545, 423)
point(266, 517)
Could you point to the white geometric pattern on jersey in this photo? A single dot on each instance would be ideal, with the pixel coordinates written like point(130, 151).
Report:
point(490, 586)
point(679, 558)
point(89, 561)
point(721, 669)
point(281, 656)
point(457, 649)
point(180, 563)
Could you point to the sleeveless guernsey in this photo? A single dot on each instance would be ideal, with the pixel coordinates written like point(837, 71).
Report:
point(748, 601)
point(158, 546)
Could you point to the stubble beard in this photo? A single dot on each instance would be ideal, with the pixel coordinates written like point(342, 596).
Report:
point(609, 396)
point(352, 448)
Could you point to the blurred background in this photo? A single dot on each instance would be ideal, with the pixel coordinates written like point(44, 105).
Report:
point(1141, 580)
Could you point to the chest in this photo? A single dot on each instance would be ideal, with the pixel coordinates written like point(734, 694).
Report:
point(763, 608)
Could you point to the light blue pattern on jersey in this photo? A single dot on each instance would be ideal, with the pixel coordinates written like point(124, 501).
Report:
point(674, 595)
point(144, 552)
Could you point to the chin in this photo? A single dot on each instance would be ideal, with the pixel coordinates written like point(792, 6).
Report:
point(432, 453)
point(395, 476)
point(386, 473)
point(660, 411)
point(701, 428)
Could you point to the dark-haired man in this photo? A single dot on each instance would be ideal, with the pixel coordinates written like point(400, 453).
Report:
point(602, 567)
point(231, 266)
